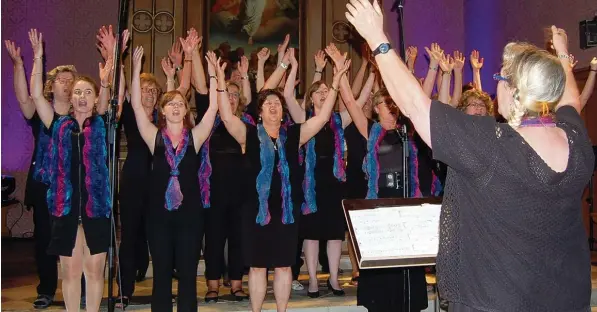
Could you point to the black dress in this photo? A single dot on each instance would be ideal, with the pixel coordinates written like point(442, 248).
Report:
point(64, 229)
point(328, 222)
point(511, 229)
point(134, 200)
point(272, 245)
point(392, 289)
point(228, 189)
point(174, 236)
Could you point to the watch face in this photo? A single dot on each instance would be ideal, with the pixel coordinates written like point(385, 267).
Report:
point(384, 48)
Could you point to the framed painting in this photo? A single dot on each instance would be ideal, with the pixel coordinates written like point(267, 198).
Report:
point(243, 27)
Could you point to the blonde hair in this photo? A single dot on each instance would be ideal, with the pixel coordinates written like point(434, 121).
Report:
point(150, 79)
point(242, 100)
point(475, 93)
point(537, 77)
point(51, 78)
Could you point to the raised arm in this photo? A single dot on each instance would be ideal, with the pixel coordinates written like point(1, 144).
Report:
point(275, 78)
point(262, 57)
point(297, 112)
point(571, 95)
point(435, 55)
point(105, 74)
point(589, 85)
point(20, 80)
point(202, 130)
point(243, 69)
point(43, 107)
point(446, 64)
point(355, 111)
point(476, 64)
point(175, 54)
point(338, 59)
point(147, 130)
point(320, 63)
point(188, 45)
point(365, 91)
point(458, 65)
point(315, 123)
point(170, 72)
point(121, 91)
point(357, 83)
point(411, 58)
point(233, 124)
point(401, 84)
point(198, 72)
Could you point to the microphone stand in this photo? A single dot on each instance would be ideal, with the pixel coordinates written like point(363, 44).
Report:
point(398, 7)
point(111, 126)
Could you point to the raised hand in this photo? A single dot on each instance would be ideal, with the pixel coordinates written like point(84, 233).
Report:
point(106, 37)
point(560, 40)
point(335, 55)
point(435, 53)
point(175, 53)
point(341, 70)
point(263, 56)
point(293, 60)
point(243, 66)
point(137, 58)
point(282, 47)
point(573, 62)
point(168, 68)
point(446, 63)
point(320, 60)
point(476, 61)
point(190, 42)
point(14, 52)
point(105, 71)
point(212, 60)
point(367, 19)
point(411, 53)
point(286, 57)
point(36, 43)
point(594, 63)
point(458, 60)
point(125, 40)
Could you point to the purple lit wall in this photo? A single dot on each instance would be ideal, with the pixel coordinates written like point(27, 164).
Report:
point(68, 29)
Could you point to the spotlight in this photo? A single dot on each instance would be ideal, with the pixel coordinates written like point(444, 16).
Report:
point(8, 187)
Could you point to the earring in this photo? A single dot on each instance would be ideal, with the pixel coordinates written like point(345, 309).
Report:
point(259, 119)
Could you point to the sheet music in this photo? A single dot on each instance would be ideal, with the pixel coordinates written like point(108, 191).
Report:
point(397, 232)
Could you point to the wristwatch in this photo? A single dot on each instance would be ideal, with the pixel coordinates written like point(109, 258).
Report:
point(382, 49)
point(285, 66)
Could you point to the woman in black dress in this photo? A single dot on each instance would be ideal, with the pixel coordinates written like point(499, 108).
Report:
point(270, 229)
point(513, 190)
point(322, 215)
point(175, 218)
point(78, 196)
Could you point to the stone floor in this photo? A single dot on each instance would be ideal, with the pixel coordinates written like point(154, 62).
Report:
point(19, 281)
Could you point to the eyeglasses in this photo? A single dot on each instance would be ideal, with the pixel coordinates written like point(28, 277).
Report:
point(234, 95)
point(322, 92)
point(498, 77)
point(64, 81)
point(153, 91)
point(175, 104)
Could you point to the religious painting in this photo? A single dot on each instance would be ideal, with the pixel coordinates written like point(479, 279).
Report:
point(243, 27)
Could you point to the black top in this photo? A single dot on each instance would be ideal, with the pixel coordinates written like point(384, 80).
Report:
point(138, 159)
point(509, 223)
point(34, 190)
point(189, 183)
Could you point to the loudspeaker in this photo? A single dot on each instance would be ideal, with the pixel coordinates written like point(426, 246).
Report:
point(588, 33)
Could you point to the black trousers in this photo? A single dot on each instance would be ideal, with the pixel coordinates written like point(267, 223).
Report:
point(174, 243)
point(223, 221)
point(47, 269)
point(296, 268)
point(133, 253)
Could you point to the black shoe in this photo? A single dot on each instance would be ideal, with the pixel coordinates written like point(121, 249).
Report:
point(240, 297)
point(83, 302)
point(43, 301)
point(211, 299)
point(141, 275)
point(314, 294)
point(121, 303)
point(336, 292)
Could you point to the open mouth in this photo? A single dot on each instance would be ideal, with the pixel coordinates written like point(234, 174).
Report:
point(176, 113)
point(82, 103)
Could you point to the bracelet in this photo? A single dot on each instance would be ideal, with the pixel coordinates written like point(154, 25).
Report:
point(566, 56)
point(35, 74)
point(178, 68)
point(285, 66)
point(334, 88)
point(245, 77)
point(593, 70)
point(187, 60)
point(37, 58)
point(434, 68)
point(106, 87)
point(319, 71)
point(221, 90)
point(447, 72)
point(213, 77)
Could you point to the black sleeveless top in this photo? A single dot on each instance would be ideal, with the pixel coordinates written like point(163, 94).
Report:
point(189, 182)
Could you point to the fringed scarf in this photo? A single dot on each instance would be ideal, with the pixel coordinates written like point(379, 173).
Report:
point(174, 195)
point(41, 171)
point(94, 159)
point(264, 178)
point(371, 163)
point(205, 169)
point(310, 203)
